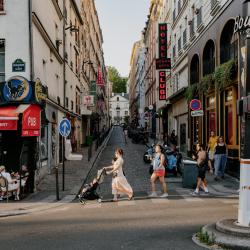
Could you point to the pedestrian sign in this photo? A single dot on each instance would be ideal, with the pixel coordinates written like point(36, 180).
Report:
point(64, 127)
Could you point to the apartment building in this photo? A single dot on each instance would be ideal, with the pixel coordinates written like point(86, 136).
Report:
point(42, 73)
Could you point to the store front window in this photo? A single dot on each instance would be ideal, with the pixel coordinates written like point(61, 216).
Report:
point(211, 115)
point(44, 143)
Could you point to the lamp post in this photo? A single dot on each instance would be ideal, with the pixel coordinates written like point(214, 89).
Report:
point(244, 113)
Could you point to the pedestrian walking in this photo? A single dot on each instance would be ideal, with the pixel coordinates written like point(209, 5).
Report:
point(202, 164)
point(220, 158)
point(159, 172)
point(210, 149)
point(120, 184)
point(173, 139)
point(125, 131)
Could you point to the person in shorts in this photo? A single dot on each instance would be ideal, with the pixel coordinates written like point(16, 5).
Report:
point(159, 172)
point(202, 159)
point(210, 149)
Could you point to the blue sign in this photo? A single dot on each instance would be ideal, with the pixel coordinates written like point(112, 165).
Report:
point(64, 127)
point(195, 104)
point(17, 89)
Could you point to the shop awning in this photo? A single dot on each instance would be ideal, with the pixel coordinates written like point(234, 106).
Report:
point(8, 118)
point(31, 120)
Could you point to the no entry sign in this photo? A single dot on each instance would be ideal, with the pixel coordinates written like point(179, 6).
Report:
point(195, 104)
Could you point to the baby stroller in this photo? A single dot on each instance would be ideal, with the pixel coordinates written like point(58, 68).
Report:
point(88, 191)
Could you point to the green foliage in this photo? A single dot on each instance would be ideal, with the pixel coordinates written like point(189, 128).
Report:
point(225, 74)
point(191, 92)
point(206, 83)
point(119, 83)
point(205, 238)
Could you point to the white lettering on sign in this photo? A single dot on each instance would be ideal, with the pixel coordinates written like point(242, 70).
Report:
point(3, 124)
point(32, 121)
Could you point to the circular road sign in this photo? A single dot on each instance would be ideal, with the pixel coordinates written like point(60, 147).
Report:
point(150, 107)
point(64, 127)
point(195, 104)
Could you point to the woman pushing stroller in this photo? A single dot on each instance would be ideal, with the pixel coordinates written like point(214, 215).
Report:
point(120, 184)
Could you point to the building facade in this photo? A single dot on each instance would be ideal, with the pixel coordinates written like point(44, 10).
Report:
point(119, 108)
point(60, 53)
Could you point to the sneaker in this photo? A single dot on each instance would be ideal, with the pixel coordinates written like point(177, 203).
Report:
point(17, 198)
point(165, 195)
point(153, 194)
point(195, 193)
point(216, 179)
point(206, 192)
point(1, 198)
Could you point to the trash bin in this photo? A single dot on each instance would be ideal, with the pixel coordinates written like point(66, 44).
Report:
point(89, 140)
point(190, 173)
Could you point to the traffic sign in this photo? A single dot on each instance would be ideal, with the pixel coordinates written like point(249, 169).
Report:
point(195, 104)
point(197, 113)
point(64, 127)
point(150, 107)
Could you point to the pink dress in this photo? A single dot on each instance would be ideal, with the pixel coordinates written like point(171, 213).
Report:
point(119, 183)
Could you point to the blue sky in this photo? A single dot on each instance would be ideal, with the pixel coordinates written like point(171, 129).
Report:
point(121, 22)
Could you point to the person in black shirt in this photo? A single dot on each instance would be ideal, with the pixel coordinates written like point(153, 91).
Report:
point(220, 158)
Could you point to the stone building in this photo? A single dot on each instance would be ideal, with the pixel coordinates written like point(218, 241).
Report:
point(47, 64)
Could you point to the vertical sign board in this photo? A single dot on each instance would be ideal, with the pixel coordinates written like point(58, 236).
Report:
point(162, 85)
point(163, 42)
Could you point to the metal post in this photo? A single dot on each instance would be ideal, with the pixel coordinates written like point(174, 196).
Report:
point(63, 166)
point(57, 182)
point(244, 199)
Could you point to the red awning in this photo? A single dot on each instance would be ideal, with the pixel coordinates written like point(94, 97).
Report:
point(31, 121)
point(8, 118)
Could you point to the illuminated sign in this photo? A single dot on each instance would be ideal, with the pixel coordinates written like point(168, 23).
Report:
point(162, 85)
point(163, 62)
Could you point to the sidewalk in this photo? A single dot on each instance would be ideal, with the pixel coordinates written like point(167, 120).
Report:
point(45, 196)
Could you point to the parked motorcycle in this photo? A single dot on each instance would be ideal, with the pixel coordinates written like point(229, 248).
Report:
point(149, 153)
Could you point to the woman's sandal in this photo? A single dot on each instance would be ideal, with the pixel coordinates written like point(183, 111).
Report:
point(130, 197)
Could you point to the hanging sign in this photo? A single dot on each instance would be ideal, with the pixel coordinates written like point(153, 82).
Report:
point(163, 62)
point(88, 100)
point(197, 113)
point(162, 85)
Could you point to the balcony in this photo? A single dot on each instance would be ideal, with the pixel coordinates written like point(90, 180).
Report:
point(179, 6)
point(214, 6)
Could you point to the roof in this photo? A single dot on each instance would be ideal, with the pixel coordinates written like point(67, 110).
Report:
point(125, 95)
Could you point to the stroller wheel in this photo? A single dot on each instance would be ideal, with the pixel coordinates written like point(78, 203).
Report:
point(83, 202)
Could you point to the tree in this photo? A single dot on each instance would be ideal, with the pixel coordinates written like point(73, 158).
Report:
point(119, 83)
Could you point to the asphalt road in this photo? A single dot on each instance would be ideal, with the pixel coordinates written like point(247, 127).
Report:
point(138, 224)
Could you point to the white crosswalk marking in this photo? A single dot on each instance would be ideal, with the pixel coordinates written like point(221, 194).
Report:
point(194, 199)
point(229, 201)
point(159, 201)
point(126, 203)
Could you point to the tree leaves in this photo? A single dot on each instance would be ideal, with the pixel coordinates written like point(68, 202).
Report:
point(119, 83)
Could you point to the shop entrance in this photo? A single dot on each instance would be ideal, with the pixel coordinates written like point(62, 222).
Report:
point(16, 151)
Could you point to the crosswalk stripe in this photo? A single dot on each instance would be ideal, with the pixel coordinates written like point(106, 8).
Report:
point(159, 201)
point(194, 199)
point(229, 201)
point(126, 203)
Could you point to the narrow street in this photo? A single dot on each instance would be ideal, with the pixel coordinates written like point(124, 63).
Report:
point(138, 224)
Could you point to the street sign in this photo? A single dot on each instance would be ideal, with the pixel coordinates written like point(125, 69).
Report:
point(195, 104)
point(64, 127)
point(197, 113)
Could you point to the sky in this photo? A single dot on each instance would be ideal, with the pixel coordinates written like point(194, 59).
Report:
point(121, 22)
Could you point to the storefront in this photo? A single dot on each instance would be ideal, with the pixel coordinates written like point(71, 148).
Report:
point(21, 104)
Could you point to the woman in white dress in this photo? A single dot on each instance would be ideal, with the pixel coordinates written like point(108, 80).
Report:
point(120, 184)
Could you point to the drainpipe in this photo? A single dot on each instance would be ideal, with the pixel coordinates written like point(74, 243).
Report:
point(64, 50)
point(31, 41)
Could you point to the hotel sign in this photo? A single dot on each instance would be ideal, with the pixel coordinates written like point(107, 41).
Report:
point(163, 62)
point(162, 85)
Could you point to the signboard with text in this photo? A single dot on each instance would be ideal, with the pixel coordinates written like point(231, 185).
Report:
point(162, 85)
point(163, 62)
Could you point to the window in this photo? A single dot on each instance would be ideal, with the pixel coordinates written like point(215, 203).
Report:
point(1, 5)
point(72, 105)
point(44, 143)
point(117, 99)
point(126, 113)
point(2, 60)
point(67, 102)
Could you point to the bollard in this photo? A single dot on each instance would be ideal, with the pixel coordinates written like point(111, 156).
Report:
point(57, 185)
